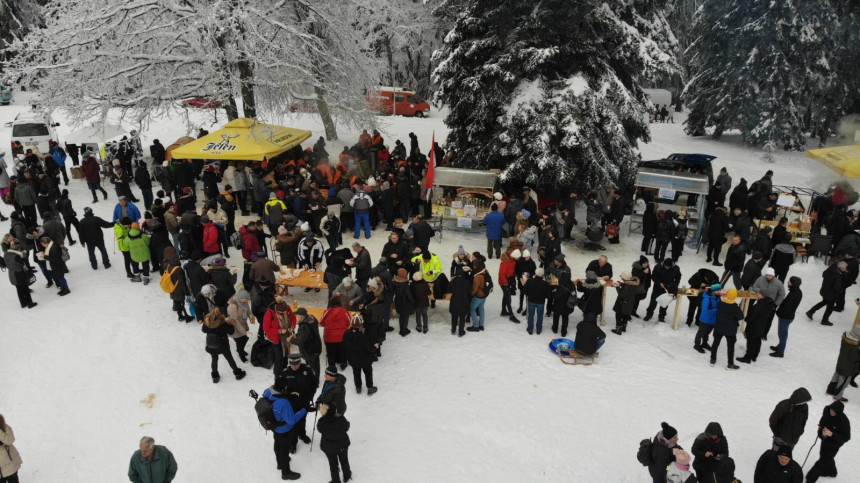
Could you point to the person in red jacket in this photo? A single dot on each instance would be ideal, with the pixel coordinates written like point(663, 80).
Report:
point(92, 173)
point(278, 325)
point(335, 321)
point(211, 237)
point(507, 280)
point(250, 247)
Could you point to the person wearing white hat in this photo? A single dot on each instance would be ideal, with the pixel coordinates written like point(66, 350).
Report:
point(768, 286)
point(525, 267)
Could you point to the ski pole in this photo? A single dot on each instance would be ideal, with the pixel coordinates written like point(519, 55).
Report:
point(314, 432)
point(809, 452)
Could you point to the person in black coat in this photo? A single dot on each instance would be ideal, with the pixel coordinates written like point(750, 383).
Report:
point(780, 233)
point(752, 270)
point(831, 290)
point(735, 257)
point(729, 316)
point(642, 271)
point(422, 232)
point(92, 237)
point(144, 181)
point(762, 243)
point(709, 449)
point(53, 255)
point(19, 273)
point(461, 294)
point(334, 442)
point(561, 294)
point(217, 331)
point(666, 277)
point(785, 314)
point(715, 199)
point(740, 224)
point(591, 301)
point(701, 280)
point(757, 326)
point(538, 291)
point(834, 429)
point(589, 338)
point(788, 419)
point(738, 198)
point(776, 466)
point(360, 353)
point(662, 452)
point(70, 217)
point(601, 267)
point(782, 258)
point(649, 227)
point(718, 225)
point(157, 151)
point(665, 232)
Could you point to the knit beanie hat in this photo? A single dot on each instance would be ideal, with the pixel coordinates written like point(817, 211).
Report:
point(784, 450)
point(331, 371)
point(461, 250)
point(668, 431)
point(417, 276)
point(527, 254)
point(516, 254)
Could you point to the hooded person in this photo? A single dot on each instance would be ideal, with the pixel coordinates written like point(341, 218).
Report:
point(846, 363)
point(788, 419)
point(709, 448)
point(834, 429)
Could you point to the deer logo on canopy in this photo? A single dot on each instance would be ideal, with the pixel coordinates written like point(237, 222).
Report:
point(224, 145)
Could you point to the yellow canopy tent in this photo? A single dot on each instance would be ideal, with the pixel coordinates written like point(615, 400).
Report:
point(176, 145)
point(243, 140)
point(845, 160)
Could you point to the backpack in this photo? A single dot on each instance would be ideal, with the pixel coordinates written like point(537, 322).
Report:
point(644, 453)
point(236, 240)
point(572, 300)
point(186, 244)
point(488, 284)
point(167, 284)
point(213, 343)
point(266, 414)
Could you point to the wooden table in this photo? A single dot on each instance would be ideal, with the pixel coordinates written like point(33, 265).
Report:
point(794, 231)
point(305, 279)
point(743, 295)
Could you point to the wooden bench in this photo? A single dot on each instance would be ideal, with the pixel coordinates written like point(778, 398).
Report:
point(574, 358)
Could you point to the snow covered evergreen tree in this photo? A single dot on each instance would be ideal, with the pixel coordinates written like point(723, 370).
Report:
point(750, 68)
point(548, 91)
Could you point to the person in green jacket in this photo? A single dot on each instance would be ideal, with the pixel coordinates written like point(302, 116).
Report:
point(151, 463)
point(120, 232)
point(138, 248)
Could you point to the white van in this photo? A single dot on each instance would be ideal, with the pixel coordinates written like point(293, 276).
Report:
point(34, 129)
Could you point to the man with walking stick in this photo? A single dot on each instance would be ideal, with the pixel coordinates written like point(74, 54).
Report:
point(834, 429)
point(301, 385)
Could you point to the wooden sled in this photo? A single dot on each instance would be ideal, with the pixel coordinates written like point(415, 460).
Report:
point(574, 358)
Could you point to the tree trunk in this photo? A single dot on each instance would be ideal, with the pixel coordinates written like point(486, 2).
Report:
point(322, 108)
point(246, 77)
point(231, 109)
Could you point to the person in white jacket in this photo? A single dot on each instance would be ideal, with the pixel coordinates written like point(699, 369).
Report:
point(10, 459)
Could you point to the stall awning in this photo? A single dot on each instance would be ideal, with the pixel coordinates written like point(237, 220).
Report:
point(673, 180)
point(243, 140)
point(464, 178)
point(95, 134)
point(845, 160)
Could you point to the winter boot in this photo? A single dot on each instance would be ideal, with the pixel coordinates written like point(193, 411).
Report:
point(745, 360)
point(826, 322)
point(853, 379)
point(647, 317)
point(107, 265)
point(372, 390)
point(732, 367)
point(136, 278)
point(358, 389)
point(699, 348)
point(425, 330)
point(215, 377)
point(472, 328)
point(808, 314)
point(239, 373)
point(304, 439)
point(504, 313)
point(146, 280)
point(64, 292)
point(289, 475)
point(514, 319)
point(776, 354)
point(706, 346)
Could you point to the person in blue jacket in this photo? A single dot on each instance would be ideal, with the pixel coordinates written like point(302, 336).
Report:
point(494, 221)
point(285, 437)
point(707, 317)
point(124, 209)
point(59, 156)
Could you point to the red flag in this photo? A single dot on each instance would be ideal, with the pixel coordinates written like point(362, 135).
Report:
point(431, 165)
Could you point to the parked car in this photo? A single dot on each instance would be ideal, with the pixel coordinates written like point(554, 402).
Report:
point(397, 100)
point(202, 103)
point(684, 162)
point(35, 129)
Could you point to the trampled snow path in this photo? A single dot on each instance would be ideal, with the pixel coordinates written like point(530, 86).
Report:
point(85, 376)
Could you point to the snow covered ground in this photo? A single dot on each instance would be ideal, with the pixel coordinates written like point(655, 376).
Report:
point(85, 376)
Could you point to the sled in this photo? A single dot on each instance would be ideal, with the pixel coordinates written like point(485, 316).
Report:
point(574, 358)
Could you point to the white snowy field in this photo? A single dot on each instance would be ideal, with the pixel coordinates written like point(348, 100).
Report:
point(85, 376)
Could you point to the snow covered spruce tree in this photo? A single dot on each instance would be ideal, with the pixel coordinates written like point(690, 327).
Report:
point(548, 91)
point(138, 56)
point(749, 70)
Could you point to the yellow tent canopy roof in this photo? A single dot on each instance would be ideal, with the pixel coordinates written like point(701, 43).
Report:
point(243, 139)
point(845, 160)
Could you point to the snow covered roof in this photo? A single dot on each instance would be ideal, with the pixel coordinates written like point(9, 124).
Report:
point(464, 178)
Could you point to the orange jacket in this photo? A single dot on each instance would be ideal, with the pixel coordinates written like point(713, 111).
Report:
point(364, 141)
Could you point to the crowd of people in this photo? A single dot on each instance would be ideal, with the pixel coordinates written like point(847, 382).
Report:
point(303, 204)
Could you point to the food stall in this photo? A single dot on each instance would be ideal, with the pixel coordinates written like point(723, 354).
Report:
point(461, 197)
point(670, 190)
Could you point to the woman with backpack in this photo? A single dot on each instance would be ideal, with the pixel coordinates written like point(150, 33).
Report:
point(360, 351)
point(173, 282)
point(563, 303)
point(238, 313)
point(217, 329)
point(625, 302)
